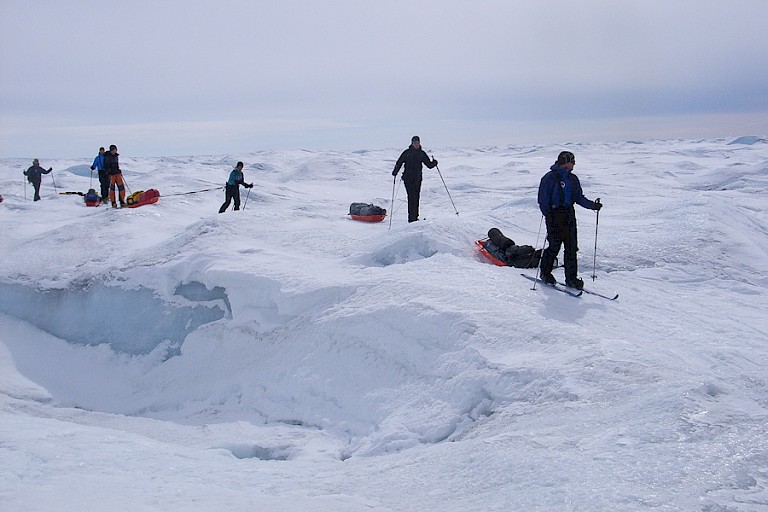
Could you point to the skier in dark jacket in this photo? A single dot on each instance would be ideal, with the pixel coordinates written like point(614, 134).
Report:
point(98, 165)
point(558, 191)
point(112, 168)
point(232, 188)
point(35, 174)
point(412, 158)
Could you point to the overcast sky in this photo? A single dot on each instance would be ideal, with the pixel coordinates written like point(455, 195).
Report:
point(172, 77)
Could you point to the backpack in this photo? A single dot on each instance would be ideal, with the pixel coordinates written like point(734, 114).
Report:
point(522, 256)
point(365, 209)
point(91, 197)
point(142, 197)
point(518, 256)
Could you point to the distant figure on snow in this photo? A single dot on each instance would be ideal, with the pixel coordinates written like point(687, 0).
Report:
point(232, 188)
point(412, 158)
point(35, 175)
point(112, 168)
point(98, 165)
point(559, 189)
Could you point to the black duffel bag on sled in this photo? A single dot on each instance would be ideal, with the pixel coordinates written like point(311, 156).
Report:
point(367, 212)
point(501, 249)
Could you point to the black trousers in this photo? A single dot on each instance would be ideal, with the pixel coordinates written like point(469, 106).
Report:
point(413, 188)
point(231, 192)
point(104, 182)
point(561, 230)
point(36, 186)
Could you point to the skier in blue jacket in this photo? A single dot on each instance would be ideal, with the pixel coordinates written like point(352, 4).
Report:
point(98, 165)
point(232, 188)
point(558, 191)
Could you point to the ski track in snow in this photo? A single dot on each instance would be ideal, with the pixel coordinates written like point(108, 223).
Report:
point(285, 357)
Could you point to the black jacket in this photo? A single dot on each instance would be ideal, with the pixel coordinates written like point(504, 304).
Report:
point(413, 158)
point(34, 173)
point(111, 164)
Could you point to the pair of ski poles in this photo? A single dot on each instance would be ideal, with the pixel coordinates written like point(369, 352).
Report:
point(594, 254)
point(392, 203)
point(54, 186)
point(244, 202)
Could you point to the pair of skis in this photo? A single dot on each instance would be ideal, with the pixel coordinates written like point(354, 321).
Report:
point(573, 292)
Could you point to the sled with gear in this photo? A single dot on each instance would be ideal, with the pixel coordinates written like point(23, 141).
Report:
point(91, 198)
point(142, 197)
point(503, 252)
point(366, 212)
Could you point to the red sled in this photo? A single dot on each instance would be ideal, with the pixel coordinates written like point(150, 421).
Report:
point(142, 197)
point(93, 203)
point(482, 250)
point(366, 212)
point(368, 218)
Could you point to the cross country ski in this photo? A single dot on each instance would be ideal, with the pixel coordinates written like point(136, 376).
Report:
point(556, 286)
point(574, 292)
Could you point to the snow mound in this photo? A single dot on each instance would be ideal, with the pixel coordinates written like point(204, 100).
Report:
point(748, 140)
point(81, 170)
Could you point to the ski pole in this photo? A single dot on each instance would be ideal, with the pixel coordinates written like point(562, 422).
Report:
point(91, 185)
point(392, 203)
point(125, 183)
point(538, 267)
point(594, 257)
point(446, 189)
point(537, 244)
point(25, 190)
point(246, 197)
point(55, 188)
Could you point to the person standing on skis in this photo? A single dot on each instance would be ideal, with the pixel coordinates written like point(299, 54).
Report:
point(559, 189)
point(413, 158)
point(112, 168)
point(232, 188)
point(98, 165)
point(35, 175)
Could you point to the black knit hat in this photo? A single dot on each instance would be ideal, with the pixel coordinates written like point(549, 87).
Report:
point(415, 138)
point(565, 157)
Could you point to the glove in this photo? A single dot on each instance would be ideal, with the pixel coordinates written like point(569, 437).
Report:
point(598, 205)
point(93, 168)
point(50, 169)
point(249, 185)
point(394, 173)
point(434, 161)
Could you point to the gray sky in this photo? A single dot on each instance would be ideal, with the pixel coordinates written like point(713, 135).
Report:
point(172, 77)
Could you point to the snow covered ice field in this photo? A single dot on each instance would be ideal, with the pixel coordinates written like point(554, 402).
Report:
point(285, 357)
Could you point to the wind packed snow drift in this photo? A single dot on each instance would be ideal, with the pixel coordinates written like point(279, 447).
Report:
point(286, 357)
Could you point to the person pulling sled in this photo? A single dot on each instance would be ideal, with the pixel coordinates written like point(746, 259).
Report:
point(559, 190)
point(112, 168)
point(98, 166)
point(232, 188)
